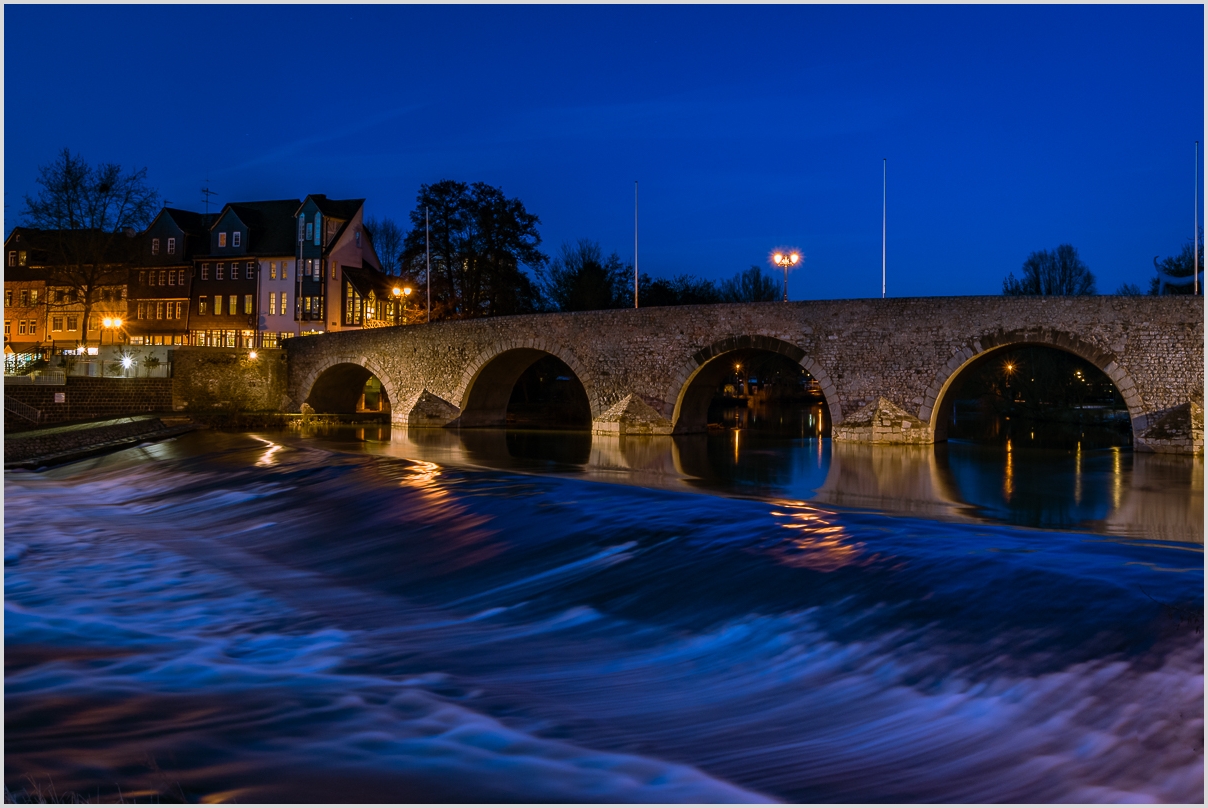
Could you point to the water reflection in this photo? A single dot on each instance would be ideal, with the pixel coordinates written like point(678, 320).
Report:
point(1087, 488)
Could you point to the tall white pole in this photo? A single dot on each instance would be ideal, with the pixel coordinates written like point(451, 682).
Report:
point(1195, 225)
point(884, 208)
point(635, 244)
point(428, 258)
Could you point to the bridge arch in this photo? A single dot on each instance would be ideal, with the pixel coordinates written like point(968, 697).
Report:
point(336, 385)
point(486, 386)
point(693, 386)
point(936, 409)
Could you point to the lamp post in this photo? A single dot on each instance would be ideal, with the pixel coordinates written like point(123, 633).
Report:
point(786, 261)
point(400, 296)
point(108, 324)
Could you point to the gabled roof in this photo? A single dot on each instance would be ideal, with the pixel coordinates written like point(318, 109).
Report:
point(45, 246)
point(190, 222)
point(367, 279)
point(271, 225)
point(343, 209)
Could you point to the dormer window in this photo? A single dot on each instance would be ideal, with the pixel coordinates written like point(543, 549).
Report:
point(310, 231)
point(171, 246)
point(222, 239)
point(155, 246)
point(235, 238)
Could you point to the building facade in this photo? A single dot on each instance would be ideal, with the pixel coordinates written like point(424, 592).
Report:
point(159, 300)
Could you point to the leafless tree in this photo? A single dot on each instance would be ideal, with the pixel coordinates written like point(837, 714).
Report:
point(1060, 272)
point(84, 220)
point(387, 240)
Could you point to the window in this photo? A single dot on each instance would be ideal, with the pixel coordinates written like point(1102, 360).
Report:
point(222, 239)
point(268, 340)
point(155, 246)
point(318, 228)
point(284, 276)
point(201, 305)
point(247, 304)
point(171, 246)
point(334, 266)
point(180, 308)
point(272, 270)
point(12, 258)
point(171, 277)
point(56, 323)
point(159, 310)
point(358, 237)
point(33, 297)
point(181, 279)
point(205, 272)
point(301, 226)
point(217, 305)
point(24, 297)
point(8, 329)
point(310, 230)
point(73, 323)
point(8, 298)
point(20, 326)
point(235, 238)
point(93, 322)
point(142, 277)
point(272, 302)
point(250, 269)
point(141, 312)
point(233, 304)
point(306, 306)
point(21, 258)
point(163, 277)
point(219, 271)
point(284, 310)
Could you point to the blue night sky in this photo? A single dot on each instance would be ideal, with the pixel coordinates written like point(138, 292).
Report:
point(1007, 129)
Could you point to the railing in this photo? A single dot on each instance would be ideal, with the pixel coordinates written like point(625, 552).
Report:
point(22, 410)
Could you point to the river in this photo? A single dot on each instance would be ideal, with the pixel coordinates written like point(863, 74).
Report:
point(367, 614)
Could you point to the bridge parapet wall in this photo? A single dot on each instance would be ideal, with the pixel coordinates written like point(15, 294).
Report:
point(906, 351)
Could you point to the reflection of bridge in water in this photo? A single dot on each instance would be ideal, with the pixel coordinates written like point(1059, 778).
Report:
point(1111, 491)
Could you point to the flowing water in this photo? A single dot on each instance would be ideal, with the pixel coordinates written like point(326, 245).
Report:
point(360, 615)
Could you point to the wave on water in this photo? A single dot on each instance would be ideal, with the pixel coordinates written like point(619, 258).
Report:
point(323, 627)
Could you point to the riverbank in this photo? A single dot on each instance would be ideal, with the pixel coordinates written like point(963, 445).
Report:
point(61, 444)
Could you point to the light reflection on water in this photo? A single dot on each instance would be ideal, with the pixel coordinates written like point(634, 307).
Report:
point(1108, 490)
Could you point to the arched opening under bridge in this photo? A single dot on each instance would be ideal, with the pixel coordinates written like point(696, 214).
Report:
point(526, 388)
point(349, 388)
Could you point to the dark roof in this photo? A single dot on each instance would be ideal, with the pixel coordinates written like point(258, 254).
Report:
point(23, 274)
point(191, 222)
point(366, 279)
point(271, 225)
point(343, 209)
point(47, 247)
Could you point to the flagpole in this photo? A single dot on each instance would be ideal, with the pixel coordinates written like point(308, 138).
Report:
point(1195, 225)
point(884, 208)
point(635, 244)
point(428, 258)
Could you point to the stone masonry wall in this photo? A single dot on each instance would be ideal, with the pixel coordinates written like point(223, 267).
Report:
point(905, 351)
point(228, 379)
point(85, 398)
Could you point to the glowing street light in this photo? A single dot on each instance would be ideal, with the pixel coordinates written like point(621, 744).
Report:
point(786, 261)
point(109, 324)
point(401, 294)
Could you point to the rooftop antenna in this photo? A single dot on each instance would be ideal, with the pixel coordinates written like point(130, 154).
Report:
point(207, 193)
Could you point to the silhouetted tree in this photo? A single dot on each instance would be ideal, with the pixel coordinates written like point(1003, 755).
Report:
point(387, 239)
point(1060, 272)
point(1129, 290)
point(87, 217)
point(480, 240)
point(751, 286)
point(682, 290)
point(1175, 272)
point(579, 278)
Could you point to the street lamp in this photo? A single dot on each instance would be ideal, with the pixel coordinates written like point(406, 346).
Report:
point(109, 324)
point(400, 295)
point(786, 261)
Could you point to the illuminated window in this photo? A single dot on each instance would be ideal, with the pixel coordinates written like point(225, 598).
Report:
point(272, 270)
point(21, 257)
point(272, 302)
point(217, 305)
point(233, 304)
point(284, 310)
point(301, 227)
point(201, 305)
point(163, 277)
point(141, 311)
point(235, 238)
point(310, 230)
point(159, 310)
point(247, 304)
point(33, 297)
point(222, 239)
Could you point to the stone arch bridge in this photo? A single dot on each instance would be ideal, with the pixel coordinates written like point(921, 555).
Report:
point(885, 366)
